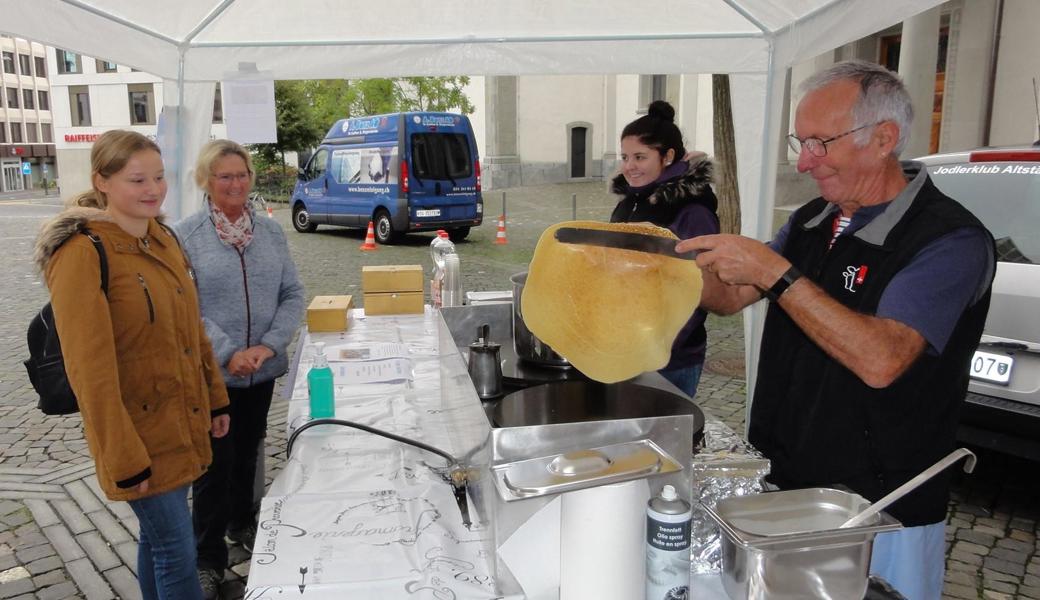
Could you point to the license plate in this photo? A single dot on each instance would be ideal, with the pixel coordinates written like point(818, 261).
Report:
point(433, 212)
point(991, 367)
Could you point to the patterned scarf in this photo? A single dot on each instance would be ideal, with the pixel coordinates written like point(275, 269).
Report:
point(239, 234)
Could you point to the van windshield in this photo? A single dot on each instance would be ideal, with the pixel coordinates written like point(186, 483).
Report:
point(441, 156)
point(1005, 197)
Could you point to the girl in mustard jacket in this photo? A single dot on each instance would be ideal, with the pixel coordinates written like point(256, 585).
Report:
point(149, 389)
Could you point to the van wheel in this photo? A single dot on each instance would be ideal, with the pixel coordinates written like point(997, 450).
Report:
point(384, 227)
point(458, 234)
point(301, 220)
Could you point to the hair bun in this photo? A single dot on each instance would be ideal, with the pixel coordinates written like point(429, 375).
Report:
point(661, 110)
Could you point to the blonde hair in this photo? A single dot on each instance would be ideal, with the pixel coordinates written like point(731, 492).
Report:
point(214, 151)
point(110, 153)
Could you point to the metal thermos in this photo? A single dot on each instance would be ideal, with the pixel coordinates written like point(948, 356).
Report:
point(668, 546)
point(485, 365)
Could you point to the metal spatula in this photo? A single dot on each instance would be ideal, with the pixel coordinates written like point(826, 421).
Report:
point(622, 240)
point(907, 487)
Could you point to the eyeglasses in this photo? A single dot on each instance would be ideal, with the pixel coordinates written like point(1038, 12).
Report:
point(229, 177)
point(815, 145)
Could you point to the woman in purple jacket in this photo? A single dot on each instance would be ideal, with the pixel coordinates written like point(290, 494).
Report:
point(659, 184)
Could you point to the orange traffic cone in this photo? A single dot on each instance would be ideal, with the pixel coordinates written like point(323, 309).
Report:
point(270, 212)
point(370, 239)
point(500, 236)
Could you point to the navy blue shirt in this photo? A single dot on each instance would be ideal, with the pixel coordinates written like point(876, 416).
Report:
point(931, 293)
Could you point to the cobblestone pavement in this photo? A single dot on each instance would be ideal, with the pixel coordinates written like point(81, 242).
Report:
point(59, 537)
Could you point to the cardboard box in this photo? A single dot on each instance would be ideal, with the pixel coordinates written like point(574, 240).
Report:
point(391, 278)
point(394, 303)
point(329, 313)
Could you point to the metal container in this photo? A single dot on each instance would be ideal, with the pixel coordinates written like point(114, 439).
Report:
point(485, 365)
point(528, 346)
point(787, 545)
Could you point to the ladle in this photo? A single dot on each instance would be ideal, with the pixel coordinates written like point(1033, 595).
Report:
point(907, 487)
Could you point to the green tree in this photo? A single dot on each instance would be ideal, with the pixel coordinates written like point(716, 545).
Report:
point(297, 128)
point(439, 94)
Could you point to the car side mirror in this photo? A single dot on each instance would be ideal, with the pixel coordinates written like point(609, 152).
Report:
point(302, 176)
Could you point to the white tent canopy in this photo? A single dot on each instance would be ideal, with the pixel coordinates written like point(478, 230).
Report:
point(192, 43)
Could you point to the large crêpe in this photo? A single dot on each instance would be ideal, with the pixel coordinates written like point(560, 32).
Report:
point(612, 313)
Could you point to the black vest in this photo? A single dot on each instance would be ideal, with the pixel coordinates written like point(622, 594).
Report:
point(819, 424)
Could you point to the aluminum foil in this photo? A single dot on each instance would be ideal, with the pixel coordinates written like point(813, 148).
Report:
point(724, 466)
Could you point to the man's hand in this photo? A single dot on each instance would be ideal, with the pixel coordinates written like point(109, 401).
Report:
point(219, 427)
point(737, 260)
point(241, 364)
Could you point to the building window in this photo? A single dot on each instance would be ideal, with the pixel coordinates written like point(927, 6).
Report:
point(3, 132)
point(31, 135)
point(12, 98)
point(41, 66)
point(218, 106)
point(142, 104)
point(16, 133)
point(103, 66)
point(8, 62)
point(79, 104)
point(45, 100)
point(48, 135)
point(68, 62)
point(25, 62)
point(29, 99)
point(651, 88)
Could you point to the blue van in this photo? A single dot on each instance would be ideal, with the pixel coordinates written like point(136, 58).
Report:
point(414, 171)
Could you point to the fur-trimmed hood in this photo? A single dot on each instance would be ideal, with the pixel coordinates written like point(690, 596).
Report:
point(694, 182)
point(57, 231)
point(662, 203)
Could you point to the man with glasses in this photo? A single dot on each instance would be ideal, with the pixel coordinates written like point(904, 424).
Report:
point(878, 292)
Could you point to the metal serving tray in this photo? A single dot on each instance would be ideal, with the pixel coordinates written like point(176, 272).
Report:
point(571, 471)
point(787, 545)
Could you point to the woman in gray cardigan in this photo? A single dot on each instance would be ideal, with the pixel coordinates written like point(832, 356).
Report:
point(252, 302)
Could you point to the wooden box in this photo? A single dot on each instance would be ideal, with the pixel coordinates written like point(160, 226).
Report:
point(329, 313)
point(392, 278)
point(394, 303)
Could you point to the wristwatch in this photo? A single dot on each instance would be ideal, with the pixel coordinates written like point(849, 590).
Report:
point(790, 276)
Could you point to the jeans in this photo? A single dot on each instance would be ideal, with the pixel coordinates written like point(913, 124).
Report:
point(222, 498)
point(684, 378)
point(166, 549)
point(912, 560)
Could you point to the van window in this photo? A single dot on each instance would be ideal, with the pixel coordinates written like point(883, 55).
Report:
point(318, 164)
point(441, 156)
point(1006, 199)
point(346, 166)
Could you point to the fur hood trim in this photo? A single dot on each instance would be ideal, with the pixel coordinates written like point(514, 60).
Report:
point(694, 182)
point(56, 231)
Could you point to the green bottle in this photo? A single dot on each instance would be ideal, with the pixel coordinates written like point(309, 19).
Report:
point(319, 386)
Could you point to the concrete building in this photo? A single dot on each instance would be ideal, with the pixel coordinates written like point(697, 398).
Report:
point(27, 153)
point(970, 66)
point(92, 96)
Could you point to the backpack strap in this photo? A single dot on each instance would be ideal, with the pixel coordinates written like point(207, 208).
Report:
point(102, 257)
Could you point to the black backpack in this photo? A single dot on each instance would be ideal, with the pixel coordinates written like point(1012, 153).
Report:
point(46, 366)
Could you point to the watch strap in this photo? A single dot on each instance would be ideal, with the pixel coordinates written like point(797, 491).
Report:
point(790, 276)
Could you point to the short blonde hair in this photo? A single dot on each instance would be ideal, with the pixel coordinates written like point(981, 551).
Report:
point(110, 153)
point(214, 151)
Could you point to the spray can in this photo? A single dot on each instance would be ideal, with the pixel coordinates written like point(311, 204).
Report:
point(668, 546)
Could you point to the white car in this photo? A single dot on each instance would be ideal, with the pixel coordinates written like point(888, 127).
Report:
point(1002, 188)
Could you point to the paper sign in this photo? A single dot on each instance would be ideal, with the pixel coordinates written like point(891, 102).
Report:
point(372, 371)
point(249, 111)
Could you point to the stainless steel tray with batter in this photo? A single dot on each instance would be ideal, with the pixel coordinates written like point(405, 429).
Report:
point(787, 545)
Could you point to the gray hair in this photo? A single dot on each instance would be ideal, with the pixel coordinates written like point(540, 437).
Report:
point(882, 97)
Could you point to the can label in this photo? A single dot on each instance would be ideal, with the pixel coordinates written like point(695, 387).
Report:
point(667, 556)
point(669, 536)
